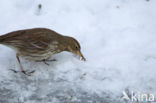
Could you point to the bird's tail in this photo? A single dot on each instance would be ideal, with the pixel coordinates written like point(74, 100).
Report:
point(1, 39)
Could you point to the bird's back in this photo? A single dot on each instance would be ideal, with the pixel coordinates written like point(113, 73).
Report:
point(32, 43)
point(29, 34)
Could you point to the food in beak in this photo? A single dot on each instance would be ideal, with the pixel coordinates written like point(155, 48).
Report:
point(81, 56)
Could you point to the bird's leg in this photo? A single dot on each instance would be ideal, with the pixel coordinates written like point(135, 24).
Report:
point(19, 62)
point(21, 67)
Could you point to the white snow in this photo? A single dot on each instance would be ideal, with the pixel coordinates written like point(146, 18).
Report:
point(118, 39)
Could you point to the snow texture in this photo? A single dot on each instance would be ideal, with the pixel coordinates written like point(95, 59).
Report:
point(118, 39)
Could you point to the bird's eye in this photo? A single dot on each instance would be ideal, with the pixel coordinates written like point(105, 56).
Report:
point(76, 48)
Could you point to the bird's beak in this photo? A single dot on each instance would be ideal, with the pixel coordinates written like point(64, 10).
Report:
point(81, 56)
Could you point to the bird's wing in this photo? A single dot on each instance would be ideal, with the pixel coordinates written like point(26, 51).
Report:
point(31, 38)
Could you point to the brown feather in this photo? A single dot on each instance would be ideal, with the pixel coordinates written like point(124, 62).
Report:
point(32, 42)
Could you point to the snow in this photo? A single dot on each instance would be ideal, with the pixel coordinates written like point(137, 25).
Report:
point(118, 39)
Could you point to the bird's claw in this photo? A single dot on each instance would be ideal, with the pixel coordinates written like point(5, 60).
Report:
point(50, 60)
point(46, 60)
point(28, 73)
point(14, 70)
point(24, 72)
point(46, 63)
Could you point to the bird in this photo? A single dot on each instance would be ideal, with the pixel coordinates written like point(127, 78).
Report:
point(39, 44)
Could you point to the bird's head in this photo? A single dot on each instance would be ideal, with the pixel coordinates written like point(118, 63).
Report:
point(74, 47)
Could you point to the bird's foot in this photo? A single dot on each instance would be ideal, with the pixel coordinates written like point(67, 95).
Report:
point(50, 60)
point(46, 60)
point(28, 73)
point(46, 63)
point(24, 72)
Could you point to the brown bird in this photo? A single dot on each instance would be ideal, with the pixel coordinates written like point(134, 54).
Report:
point(39, 44)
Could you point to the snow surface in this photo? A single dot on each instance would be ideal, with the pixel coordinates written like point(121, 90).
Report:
point(118, 39)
